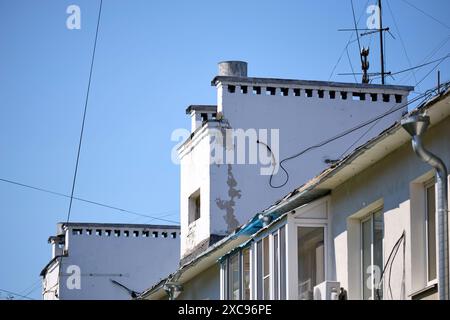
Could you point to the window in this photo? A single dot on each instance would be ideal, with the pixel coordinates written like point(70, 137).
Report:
point(236, 270)
point(275, 266)
point(372, 255)
point(246, 274)
point(282, 256)
point(430, 220)
point(259, 270)
point(311, 260)
point(266, 269)
point(194, 206)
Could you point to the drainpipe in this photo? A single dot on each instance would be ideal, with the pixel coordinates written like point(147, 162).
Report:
point(416, 126)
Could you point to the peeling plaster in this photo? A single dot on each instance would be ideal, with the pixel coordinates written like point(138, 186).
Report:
point(228, 205)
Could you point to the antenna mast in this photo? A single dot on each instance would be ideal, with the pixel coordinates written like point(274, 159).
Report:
point(381, 42)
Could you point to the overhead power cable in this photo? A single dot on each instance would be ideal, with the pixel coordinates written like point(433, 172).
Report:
point(88, 201)
point(427, 14)
point(80, 142)
point(16, 294)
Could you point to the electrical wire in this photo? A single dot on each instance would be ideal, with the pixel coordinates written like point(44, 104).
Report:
point(402, 42)
point(16, 294)
point(427, 14)
point(89, 201)
point(423, 96)
point(346, 46)
point(84, 112)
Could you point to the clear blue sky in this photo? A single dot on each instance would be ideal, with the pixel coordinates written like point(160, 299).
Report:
point(153, 59)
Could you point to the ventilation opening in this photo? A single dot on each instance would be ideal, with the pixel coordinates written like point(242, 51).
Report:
point(135, 233)
point(270, 91)
point(231, 89)
point(107, 233)
point(358, 96)
point(256, 90)
point(332, 94)
point(386, 97)
point(117, 233)
point(89, 232)
point(126, 233)
point(98, 232)
point(308, 93)
point(398, 98)
point(77, 232)
point(320, 93)
point(164, 234)
point(155, 234)
point(297, 92)
point(284, 92)
point(204, 117)
point(343, 95)
point(173, 235)
point(374, 97)
point(244, 89)
point(145, 234)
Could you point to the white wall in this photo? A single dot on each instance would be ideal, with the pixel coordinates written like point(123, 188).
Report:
point(136, 262)
point(232, 194)
point(391, 182)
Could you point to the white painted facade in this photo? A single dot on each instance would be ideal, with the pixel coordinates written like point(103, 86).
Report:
point(304, 112)
point(93, 254)
point(385, 177)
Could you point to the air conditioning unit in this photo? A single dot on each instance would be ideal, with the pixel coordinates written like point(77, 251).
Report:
point(327, 290)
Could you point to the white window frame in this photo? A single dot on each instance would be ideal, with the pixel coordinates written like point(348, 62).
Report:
point(308, 224)
point(369, 216)
point(427, 185)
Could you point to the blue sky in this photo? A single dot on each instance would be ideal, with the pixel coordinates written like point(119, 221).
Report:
point(153, 59)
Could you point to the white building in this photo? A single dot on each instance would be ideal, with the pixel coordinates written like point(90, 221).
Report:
point(285, 115)
point(108, 261)
point(372, 211)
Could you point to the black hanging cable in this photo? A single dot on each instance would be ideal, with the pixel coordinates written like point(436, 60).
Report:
point(84, 112)
point(60, 271)
point(342, 134)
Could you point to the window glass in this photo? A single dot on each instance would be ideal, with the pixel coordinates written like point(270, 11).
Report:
point(233, 275)
point(431, 231)
point(275, 266)
point(282, 263)
point(266, 268)
point(311, 263)
point(246, 273)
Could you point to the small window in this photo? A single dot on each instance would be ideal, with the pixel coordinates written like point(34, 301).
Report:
point(386, 97)
point(145, 234)
point(256, 90)
point(398, 98)
point(297, 92)
point(89, 232)
point(231, 89)
point(244, 89)
point(284, 92)
point(174, 235)
point(194, 206)
point(233, 277)
point(108, 233)
point(126, 233)
point(164, 234)
point(155, 234)
point(343, 95)
point(204, 117)
point(98, 232)
point(135, 233)
point(374, 97)
point(320, 93)
point(332, 94)
point(116, 233)
point(308, 93)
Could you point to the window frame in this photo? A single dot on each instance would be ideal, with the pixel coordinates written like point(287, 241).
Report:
point(370, 217)
point(428, 184)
